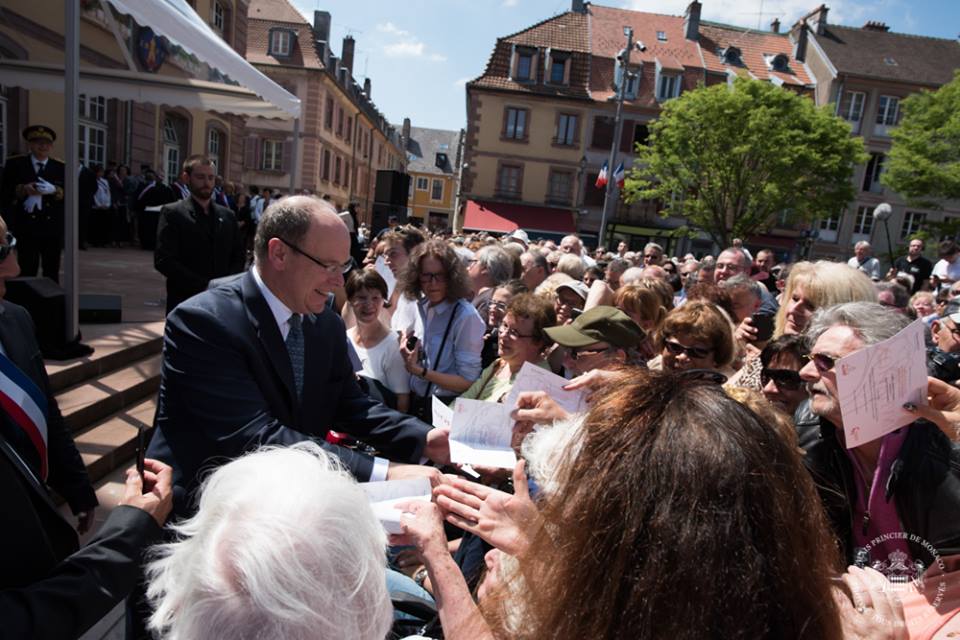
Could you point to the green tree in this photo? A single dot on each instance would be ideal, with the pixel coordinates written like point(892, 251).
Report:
point(924, 163)
point(731, 160)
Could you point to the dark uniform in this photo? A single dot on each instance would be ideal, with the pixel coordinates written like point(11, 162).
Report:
point(39, 233)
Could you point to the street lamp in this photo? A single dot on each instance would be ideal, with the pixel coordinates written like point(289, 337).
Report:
point(883, 213)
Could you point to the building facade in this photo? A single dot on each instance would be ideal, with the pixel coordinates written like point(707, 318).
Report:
point(344, 139)
point(433, 160)
point(112, 130)
point(865, 73)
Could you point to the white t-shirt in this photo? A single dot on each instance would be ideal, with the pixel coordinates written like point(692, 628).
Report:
point(384, 363)
point(946, 271)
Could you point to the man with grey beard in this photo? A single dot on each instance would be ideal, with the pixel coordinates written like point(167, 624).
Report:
point(896, 495)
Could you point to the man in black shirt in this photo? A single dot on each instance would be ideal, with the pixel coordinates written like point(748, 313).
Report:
point(914, 264)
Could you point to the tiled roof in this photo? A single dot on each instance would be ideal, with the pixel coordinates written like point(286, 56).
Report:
point(606, 30)
point(863, 52)
point(753, 46)
point(281, 14)
point(425, 144)
point(567, 32)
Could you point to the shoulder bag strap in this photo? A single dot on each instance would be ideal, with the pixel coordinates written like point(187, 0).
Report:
point(443, 343)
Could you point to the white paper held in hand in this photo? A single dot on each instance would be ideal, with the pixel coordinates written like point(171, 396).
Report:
point(875, 382)
point(481, 434)
point(385, 496)
point(442, 414)
point(534, 378)
point(381, 266)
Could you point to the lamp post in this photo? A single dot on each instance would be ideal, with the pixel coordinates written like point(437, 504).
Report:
point(610, 193)
point(883, 213)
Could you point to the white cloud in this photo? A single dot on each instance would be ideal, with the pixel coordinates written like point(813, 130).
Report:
point(403, 44)
point(744, 14)
point(510, 3)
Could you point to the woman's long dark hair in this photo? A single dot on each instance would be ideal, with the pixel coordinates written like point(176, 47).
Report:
point(682, 515)
point(457, 284)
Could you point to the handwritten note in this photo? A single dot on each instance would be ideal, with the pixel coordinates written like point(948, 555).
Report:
point(534, 378)
point(385, 496)
point(876, 381)
point(381, 266)
point(442, 414)
point(481, 434)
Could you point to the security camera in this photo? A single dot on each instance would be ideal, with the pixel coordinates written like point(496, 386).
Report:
point(640, 46)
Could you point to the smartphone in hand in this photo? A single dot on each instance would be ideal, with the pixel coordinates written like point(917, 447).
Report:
point(411, 342)
point(763, 323)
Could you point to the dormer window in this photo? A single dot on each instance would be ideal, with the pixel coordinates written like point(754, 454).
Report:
point(731, 55)
point(780, 63)
point(524, 64)
point(662, 36)
point(441, 161)
point(281, 42)
point(557, 69)
point(633, 82)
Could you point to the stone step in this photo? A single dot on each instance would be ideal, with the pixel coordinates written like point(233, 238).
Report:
point(115, 346)
point(113, 442)
point(95, 399)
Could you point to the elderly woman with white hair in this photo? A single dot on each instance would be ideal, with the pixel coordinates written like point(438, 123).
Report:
point(284, 545)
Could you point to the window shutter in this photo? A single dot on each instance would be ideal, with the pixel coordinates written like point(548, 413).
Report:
point(250, 152)
point(626, 137)
point(286, 164)
point(526, 125)
point(513, 61)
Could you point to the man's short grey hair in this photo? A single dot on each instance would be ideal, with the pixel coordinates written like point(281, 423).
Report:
point(290, 219)
point(871, 321)
point(901, 296)
point(745, 260)
point(743, 282)
point(863, 244)
point(284, 545)
point(618, 265)
point(631, 275)
point(539, 259)
point(652, 245)
point(498, 262)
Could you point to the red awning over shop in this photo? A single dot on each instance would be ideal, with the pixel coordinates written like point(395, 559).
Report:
point(504, 217)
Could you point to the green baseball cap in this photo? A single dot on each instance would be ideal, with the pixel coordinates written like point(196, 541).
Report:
point(600, 324)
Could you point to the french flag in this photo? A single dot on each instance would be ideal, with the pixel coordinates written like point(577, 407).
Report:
point(602, 177)
point(619, 176)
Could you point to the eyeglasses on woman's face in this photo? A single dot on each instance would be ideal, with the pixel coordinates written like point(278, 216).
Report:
point(785, 379)
point(438, 276)
point(675, 348)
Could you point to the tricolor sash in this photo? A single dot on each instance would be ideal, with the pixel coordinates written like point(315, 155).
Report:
point(26, 404)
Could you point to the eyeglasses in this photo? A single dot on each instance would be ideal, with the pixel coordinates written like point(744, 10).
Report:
point(576, 354)
point(498, 305)
point(785, 379)
point(822, 361)
point(675, 348)
point(328, 267)
point(512, 333)
point(9, 246)
point(439, 276)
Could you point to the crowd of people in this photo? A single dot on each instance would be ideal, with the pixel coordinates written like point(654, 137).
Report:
point(706, 490)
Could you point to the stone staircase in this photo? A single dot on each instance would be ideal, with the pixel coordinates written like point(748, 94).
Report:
point(105, 398)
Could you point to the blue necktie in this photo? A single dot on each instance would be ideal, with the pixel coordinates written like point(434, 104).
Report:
point(295, 349)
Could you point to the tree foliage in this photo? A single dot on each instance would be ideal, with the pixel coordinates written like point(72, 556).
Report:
point(924, 162)
point(732, 159)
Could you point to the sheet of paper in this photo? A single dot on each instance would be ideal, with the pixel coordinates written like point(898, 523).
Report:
point(481, 434)
point(385, 496)
point(386, 274)
point(534, 378)
point(876, 381)
point(442, 414)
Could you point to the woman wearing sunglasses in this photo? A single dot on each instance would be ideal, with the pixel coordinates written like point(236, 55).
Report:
point(697, 335)
point(781, 362)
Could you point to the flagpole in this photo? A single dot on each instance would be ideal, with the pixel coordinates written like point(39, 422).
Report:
point(610, 195)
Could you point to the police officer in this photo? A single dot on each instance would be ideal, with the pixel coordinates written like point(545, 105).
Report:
point(31, 199)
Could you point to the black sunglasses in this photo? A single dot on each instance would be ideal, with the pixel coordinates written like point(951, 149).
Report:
point(9, 246)
point(692, 352)
point(785, 379)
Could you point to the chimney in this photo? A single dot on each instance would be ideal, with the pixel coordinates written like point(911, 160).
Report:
point(321, 25)
point(366, 88)
point(578, 6)
point(800, 49)
point(818, 19)
point(406, 129)
point(874, 25)
point(775, 25)
point(346, 53)
point(691, 21)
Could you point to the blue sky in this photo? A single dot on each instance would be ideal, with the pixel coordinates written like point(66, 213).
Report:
point(419, 53)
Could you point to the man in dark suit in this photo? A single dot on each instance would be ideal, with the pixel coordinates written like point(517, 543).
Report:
point(197, 239)
point(260, 360)
point(31, 199)
point(18, 343)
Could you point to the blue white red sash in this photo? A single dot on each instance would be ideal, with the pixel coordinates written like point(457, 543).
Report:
point(26, 404)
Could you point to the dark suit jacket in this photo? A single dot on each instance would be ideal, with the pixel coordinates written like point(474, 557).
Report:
point(227, 387)
point(18, 172)
point(48, 589)
point(192, 250)
point(68, 475)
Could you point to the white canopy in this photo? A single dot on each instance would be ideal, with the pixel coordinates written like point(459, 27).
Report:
point(142, 87)
point(178, 22)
